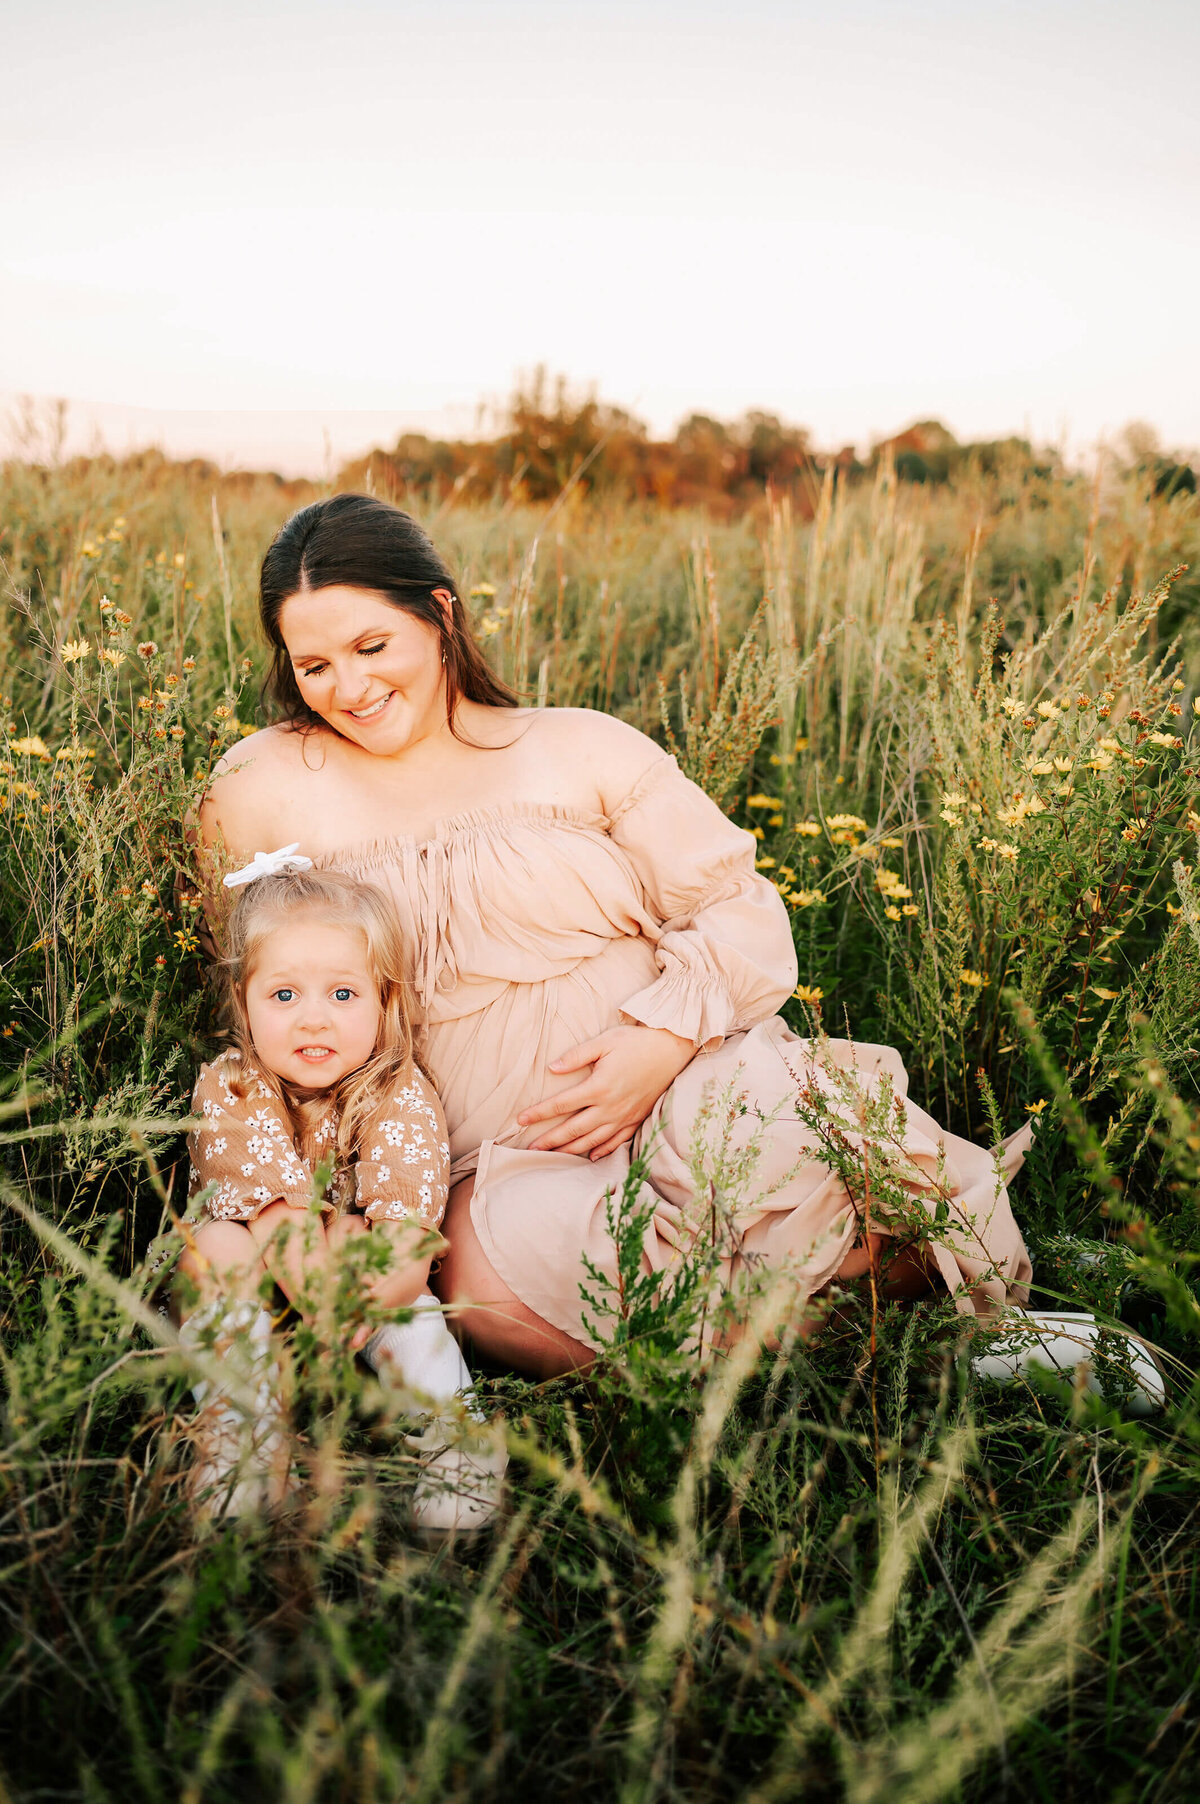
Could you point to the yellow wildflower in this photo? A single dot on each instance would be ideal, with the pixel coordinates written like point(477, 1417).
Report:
point(951, 819)
point(1134, 830)
point(892, 844)
point(851, 822)
point(483, 591)
point(1042, 767)
point(909, 908)
point(804, 992)
point(32, 746)
point(87, 549)
point(1064, 789)
point(74, 649)
point(973, 979)
point(1196, 706)
point(1010, 706)
point(762, 801)
point(807, 829)
point(245, 730)
point(758, 833)
point(1035, 1108)
point(785, 870)
point(775, 820)
point(1105, 995)
point(1177, 687)
point(764, 864)
point(1167, 739)
point(806, 898)
point(179, 560)
point(955, 800)
point(110, 656)
point(1063, 765)
point(1007, 851)
point(892, 912)
point(865, 852)
point(802, 743)
point(1102, 761)
point(988, 845)
point(1048, 710)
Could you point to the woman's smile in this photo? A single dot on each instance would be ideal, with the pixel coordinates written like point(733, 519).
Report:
point(374, 710)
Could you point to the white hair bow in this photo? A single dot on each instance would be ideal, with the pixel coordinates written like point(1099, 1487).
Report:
point(270, 864)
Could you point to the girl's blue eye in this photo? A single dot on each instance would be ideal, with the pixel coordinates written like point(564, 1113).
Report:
point(284, 995)
point(343, 994)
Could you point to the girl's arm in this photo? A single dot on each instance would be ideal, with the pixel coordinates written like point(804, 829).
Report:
point(413, 1248)
point(296, 1254)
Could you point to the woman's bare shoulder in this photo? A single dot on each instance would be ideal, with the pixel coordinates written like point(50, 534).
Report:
point(616, 755)
point(244, 787)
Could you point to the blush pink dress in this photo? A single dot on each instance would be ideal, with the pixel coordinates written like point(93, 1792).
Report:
point(535, 927)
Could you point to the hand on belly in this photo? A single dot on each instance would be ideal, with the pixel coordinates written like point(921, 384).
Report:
point(625, 1071)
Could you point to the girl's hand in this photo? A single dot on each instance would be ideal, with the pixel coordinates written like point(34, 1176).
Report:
point(629, 1068)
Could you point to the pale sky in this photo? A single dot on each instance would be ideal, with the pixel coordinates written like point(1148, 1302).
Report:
point(250, 222)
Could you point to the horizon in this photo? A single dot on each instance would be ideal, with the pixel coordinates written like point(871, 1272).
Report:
point(308, 445)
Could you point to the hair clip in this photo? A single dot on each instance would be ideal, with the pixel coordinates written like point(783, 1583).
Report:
point(270, 864)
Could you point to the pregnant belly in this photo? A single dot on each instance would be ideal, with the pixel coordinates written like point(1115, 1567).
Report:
point(488, 1066)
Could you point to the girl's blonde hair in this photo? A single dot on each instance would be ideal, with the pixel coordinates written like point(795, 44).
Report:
point(343, 901)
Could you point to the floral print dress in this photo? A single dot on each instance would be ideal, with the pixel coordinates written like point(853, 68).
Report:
point(244, 1157)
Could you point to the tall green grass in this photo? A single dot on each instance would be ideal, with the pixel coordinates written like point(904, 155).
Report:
point(838, 1569)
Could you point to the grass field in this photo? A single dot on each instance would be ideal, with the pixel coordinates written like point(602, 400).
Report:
point(965, 723)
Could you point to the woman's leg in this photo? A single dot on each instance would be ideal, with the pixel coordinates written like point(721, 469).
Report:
point(910, 1274)
point(497, 1322)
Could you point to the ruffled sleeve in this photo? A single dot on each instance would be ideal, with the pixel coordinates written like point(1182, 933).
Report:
point(403, 1165)
point(725, 949)
point(244, 1146)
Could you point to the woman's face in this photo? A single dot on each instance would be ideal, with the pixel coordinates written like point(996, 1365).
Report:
point(369, 669)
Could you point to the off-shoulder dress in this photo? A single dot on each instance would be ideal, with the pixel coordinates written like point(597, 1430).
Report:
point(535, 927)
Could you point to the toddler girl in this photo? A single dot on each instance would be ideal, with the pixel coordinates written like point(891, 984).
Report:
point(320, 1085)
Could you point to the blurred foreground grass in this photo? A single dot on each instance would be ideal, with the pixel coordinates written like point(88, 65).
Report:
point(844, 1570)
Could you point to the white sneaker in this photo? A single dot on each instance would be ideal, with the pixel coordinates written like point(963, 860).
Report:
point(1061, 1341)
point(242, 1460)
point(463, 1456)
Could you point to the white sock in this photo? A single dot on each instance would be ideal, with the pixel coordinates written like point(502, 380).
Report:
point(425, 1357)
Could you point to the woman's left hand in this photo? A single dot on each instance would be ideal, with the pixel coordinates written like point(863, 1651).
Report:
point(630, 1067)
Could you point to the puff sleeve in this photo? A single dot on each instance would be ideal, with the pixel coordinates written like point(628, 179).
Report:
point(403, 1164)
point(245, 1146)
point(724, 948)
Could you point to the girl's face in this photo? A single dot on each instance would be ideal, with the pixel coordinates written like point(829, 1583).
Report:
point(312, 1003)
point(373, 672)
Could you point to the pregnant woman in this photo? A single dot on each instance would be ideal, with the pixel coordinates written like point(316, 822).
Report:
point(596, 958)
